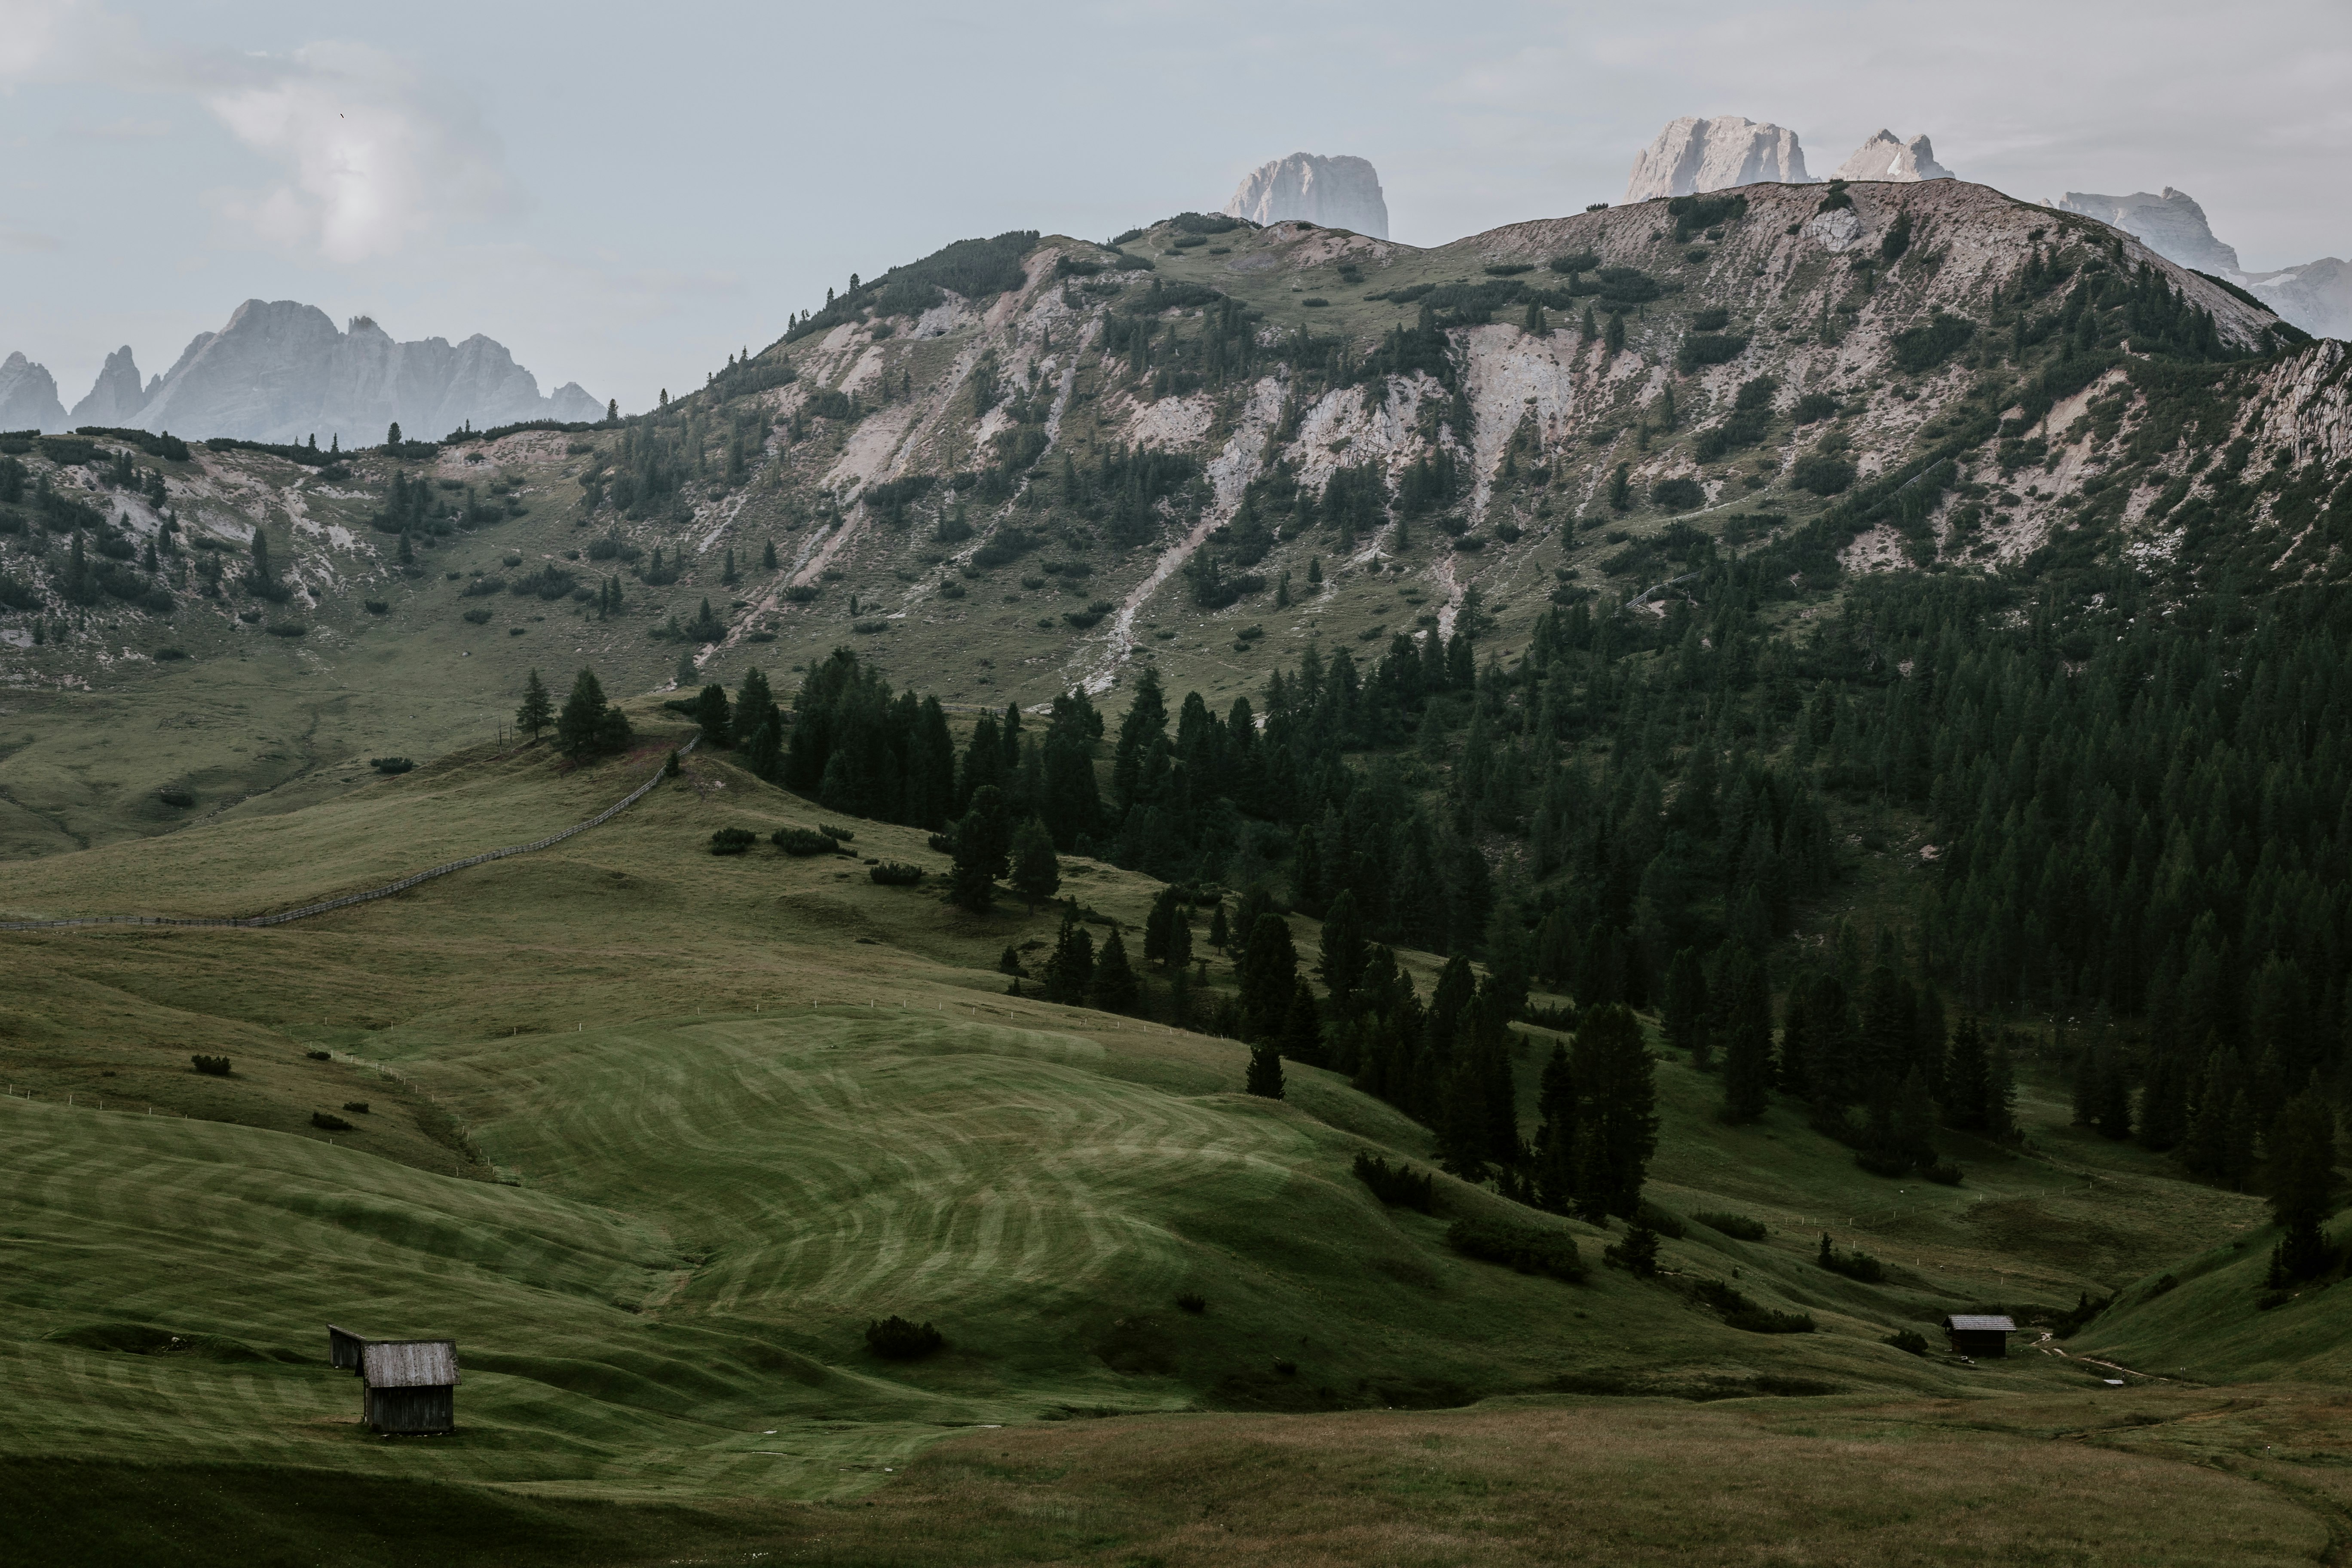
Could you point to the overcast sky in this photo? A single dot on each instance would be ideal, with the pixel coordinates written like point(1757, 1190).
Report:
point(624, 194)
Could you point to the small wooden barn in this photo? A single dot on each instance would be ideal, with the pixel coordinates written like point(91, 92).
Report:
point(1978, 1333)
point(344, 1348)
point(409, 1385)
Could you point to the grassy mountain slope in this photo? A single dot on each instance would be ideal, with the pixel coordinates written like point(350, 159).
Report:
point(664, 1225)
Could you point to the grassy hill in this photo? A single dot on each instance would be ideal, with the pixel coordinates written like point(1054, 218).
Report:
point(655, 1133)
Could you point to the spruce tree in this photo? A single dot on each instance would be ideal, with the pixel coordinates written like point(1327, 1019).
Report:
point(1221, 936)
point(1554, 1151)
point(1616, 1079)
point(588, 726)
point(1613, 338)
point(1265, 1070)
point(710, 713)
point(538, 709)
point(1621, 486)
point(1115, 988)
point(1748, 1044)
point(1036, 871)
point(1269, 974)
point(983, 839)
point(1070, 971)
point(1684, 1019)
point(1967, 1077)
point(2303, 1179)
point(767, 556)
point(1587, 329)
point(1344, 948)
point(1302, 1027)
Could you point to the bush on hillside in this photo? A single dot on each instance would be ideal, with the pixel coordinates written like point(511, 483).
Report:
point(375, 607)
point(321, 1056)
point(1814, 408)
point(1192, 1302)
point(895, 874)
point(1677, 495)
point(1702, 349)
point(1821, 474)
point(1664, 1222)
point(1911, 1341)
point(1637, 1254)
point(213, 1066)
point(732, 840)
point(1523, 1248)
point(1924, 347)
point(1398, 1186)
point(896, 1339)
point(839, 835)
point(1859, 1266)
point(1738, 1311)
point(286, 629)
point(327, 1121)
point(356, 1106)
point(390, 764)
point(174, 794)
point(1737, 1226)
point(800, 841)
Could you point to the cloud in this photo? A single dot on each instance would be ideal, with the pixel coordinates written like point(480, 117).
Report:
point(25, 240)
point(371, 157)
point(368, 156)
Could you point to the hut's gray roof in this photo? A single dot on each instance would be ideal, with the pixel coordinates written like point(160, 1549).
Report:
point(409, 1364)
point(1980, 1322)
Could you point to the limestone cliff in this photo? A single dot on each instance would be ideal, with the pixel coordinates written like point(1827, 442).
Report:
point(28, 397)
point(1692, 155)
point(1887, 156)
point(1338, 192)
point(116, 397)
point(2172, 224)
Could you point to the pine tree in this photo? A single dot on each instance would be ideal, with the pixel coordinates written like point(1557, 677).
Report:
point(1265, 1070)
point(2302, 1180)
point(1684, 1019)
point(1219, 935)
point(1638, 1253)
point(1620, 486)
point(538, 709)
point(727, 572)
point(1116, 989)
point(983, 839)
point(588, 726)
point(1269, 974)
point(392, 437)
point(1616, 1079)
point(1967, 1077)
point(1036, 871)
point(710, 713)
point(1747, 1046)
point(1344, 948)
point(1534, 324)
point(1070, 971)
point(767, 556)
point(1315, 572)
point(1587, 329)
point(1556, 1151)
point(1613, 338)
point(1302, 1027)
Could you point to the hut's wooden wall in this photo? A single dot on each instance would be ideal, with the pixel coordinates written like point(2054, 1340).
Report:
point(412, 1409)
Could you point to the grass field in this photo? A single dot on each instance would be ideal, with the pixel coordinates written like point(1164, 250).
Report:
point(655, 1133)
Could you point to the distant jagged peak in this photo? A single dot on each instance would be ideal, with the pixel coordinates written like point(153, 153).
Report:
point(2172, 225)
point(1887, 156)
point(1694, 154)
point(117, 396)
point(1337, 192)
point(28, 397)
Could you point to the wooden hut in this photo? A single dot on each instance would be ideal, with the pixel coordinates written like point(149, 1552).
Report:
point(344, 1348)
point(409, 1385)
point(1978, 1333)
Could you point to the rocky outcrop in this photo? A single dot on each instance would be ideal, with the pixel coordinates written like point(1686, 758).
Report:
point(280, 370)
point(1338, 192)
point(1692, 155)
point(2316, 296)
point(2172, 225)
point(116, 397)
point(28, 397)
point(1887, 156)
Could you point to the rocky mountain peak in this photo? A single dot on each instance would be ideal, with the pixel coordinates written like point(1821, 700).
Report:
point(1341, 192)
point(116, 397)
point(1887, 156)
point(28, 397)
point(1693, 155)
point(2171, 223)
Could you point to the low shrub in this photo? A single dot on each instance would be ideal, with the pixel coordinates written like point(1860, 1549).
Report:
point(390, 764)
point(1660, 1220)
point(213, 1066)
point(327, 1121)
point(376, 606)
point(168, 654)
point(838, 834)
point(1821, 474)
point(732, 840)
point(1399, 1185)
point(896, 1339)
point(173, 794)
point(1859, 1266)
point(940, 844)
point(356, 1106)
point(895, 874)
point(1814, 407)
point(800, 841)
point(1738, 1311)
point(1910, 1341)
point(478, 617)
point(1943, 1173)
point(1711, 320)
point(1191, 1301)
point(1737, 1226)
point(1677, 495)
point(1702, 349)
point(321, 1056)
point(288, 629)
point(1523, 1248)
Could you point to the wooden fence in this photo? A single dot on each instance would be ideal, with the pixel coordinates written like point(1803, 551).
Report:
point(307, 911)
